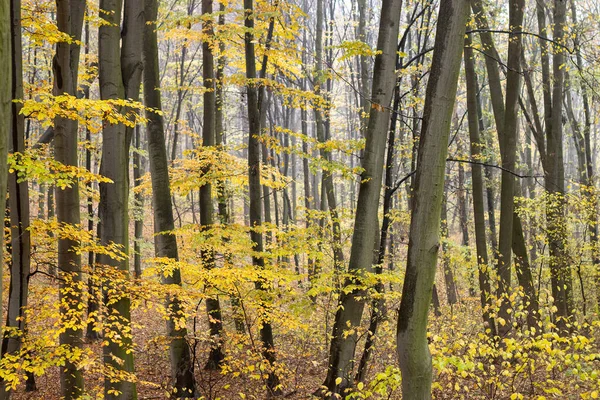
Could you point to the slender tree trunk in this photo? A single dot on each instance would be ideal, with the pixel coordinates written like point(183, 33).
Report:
point(560, 272)
point(320, 128)
point(449, 281)
point(351, 304)
point(65, 65)
point(254, 186)
point(509, 152)
point(139, 206)
point(213, 307)
point(165, 244)
point(413, 350)
point(477, 146)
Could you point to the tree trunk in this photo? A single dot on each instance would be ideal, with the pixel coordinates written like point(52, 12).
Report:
point(20, 247)
point(5, 110)
point(450, 283)
point(351, 304)
point(213, 307)
point(139, 206)
point(560, 272)
point(65, 65)
point(477, 146)
point(508, 146)
point(254, 186)
point(119, 76)
point(320, 127)
point(165, 244)
point(413, 350)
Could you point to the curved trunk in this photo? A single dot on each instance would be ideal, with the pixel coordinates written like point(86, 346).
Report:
point(413, 350)
point(351, 304)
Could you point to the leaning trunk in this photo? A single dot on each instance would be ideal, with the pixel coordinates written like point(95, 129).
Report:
point(413, 351)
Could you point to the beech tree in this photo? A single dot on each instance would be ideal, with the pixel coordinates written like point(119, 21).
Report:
point(165, 243)
point(362, 255)
point(413, 350)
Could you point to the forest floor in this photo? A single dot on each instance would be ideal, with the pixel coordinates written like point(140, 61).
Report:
point(466, 364)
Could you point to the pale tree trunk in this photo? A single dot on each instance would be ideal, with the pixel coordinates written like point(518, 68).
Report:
point(213, 307)
point(120, 76)
point(65, 65)
point(351, 304)
point(165, 244)
point(19, 207)
point(477, 146)
point(254, 187)
point(413, 351)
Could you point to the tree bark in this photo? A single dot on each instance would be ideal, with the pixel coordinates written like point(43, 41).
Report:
point(65, 65)
point(254, 187)
point(213, 307)
point(413, 351)
point(351, 304)
point(509, 152)
point(20, 247)
point(560, 272)
point(165, 244)
point(120, 70)
point(477, 182)
point(5, 109)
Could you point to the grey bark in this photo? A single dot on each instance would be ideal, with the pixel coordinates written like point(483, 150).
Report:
point(477, 146)
point(165, 244)
point(255, 97)
point(120, 68)
point(65, 66)
point(351, 304)
point(413, 351)
point(213, 307)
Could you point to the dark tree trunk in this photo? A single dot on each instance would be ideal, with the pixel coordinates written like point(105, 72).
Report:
point(165, 244)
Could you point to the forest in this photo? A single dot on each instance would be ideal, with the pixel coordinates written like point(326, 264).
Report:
point(300, 199)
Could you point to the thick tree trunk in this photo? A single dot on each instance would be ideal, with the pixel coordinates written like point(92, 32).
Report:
point(351, 304)
point(20, 247)
point(497, 99)
point(165, 244)
point(413, 350)
point(120, 76)
point(5, 109)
